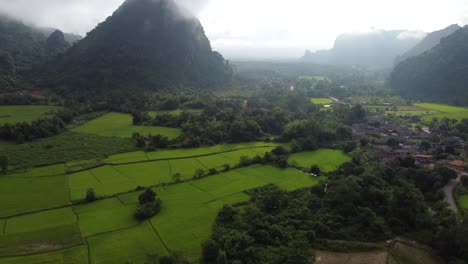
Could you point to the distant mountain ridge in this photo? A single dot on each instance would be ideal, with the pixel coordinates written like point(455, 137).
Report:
point(440, 74)
point(429, 42)
point(145, 44)
point(375, 49)
point(22, 47)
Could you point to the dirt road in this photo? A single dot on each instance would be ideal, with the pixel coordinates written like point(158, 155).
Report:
point(448, 190)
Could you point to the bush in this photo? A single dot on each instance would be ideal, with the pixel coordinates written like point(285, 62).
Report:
point(212, 172)
point(198, 174)
point(147, 196)
point(90, 195)
point(148, 210)
point(315, 170)
point(226, 167)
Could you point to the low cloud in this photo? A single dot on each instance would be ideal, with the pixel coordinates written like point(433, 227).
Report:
point(74, 16)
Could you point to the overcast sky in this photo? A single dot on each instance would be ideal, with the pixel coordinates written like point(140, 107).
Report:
point(262, 28)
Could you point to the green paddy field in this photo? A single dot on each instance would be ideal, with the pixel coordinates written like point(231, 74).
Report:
point(25, 113)
point(120, 125)
point(42, 221)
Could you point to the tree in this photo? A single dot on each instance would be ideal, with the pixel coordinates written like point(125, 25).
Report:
point(177, 177)
point(315, 170)
point(148, 210)
point(226, 167)
point(90, 195)
point(149, 206)
point(147, 196)
point(198, 174)
point(210, 251)
point(4, 164)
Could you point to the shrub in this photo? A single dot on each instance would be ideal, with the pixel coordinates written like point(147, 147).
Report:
point(90, 195)
point(177, 177)
point(148, 210)
point(147, 196)
point(198, 174)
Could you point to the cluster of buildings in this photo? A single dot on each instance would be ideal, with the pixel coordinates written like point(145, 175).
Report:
point(428, 147)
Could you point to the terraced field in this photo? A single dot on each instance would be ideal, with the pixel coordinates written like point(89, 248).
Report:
point(41, 220)
point(25, 113)
point(120, 125)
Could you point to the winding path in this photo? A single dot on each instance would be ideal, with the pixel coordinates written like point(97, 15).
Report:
point(448, 190)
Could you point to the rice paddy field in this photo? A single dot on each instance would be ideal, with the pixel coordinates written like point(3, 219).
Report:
point(321, 101)
point(41, 221)
point(25, 113)
point(120, 125)
point(106, 232)
point(427, 111)
point(327, 159)
point(463, 201)
point(445, 111)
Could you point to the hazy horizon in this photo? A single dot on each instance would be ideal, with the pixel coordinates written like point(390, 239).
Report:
point(261, 29)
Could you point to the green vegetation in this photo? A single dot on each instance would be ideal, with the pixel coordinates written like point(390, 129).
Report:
point(104, 216)
point(113, 179)
point(65, 147)
point(321, 101)
point(40, 221)
point(40, 241)
point(25, 113)
point(177, 112)
point(463, 201)
point(327, 159)
point(120, 125)
point(26, 194)
point(131, 244)
point(74, 255)
point(447, 111)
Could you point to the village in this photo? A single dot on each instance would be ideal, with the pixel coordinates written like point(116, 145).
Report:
point(393, 141)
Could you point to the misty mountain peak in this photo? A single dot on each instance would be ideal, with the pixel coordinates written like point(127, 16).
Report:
point(145, 44)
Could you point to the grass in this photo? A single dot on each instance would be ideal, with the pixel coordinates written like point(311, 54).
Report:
point(321, 101)
point(327, 159)
point(174, 112)
point(464, 201)
point(40, 221)
point(40, 241)
point(446, 111)
point(65, 147)
point(185, 167)
point(110, 180)
point(19, 195)
point(120, 125)
point(25, 113)
point(105, 216)
point(74, 255)
point(129, 245)
point(105, 181)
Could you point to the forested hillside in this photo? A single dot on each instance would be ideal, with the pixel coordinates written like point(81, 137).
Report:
point(22, 47)
point(429, 42)
point(439, 74)
point(144, 45)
